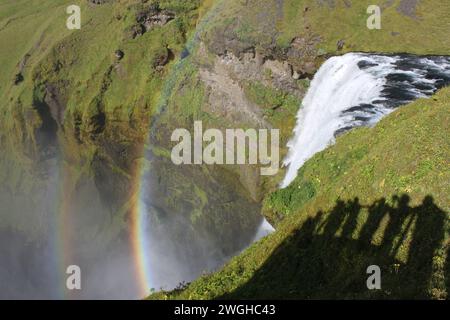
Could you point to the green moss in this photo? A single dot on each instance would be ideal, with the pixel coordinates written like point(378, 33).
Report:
point(421, 35)
point(278, 106)
point(200, 205)
point(262, 23)
point(286, 201)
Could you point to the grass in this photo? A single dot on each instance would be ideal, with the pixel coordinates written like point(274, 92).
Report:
point(278, 106)
point(424, 35)
point(263, 23)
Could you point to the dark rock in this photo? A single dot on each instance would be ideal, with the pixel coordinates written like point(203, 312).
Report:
point(137, 30)
point(18, 78)
point(162, 59)
point(99, 2)
point(55, 100)
point(46, 134)
point(96, 125)
point(77, 123)
point(408, 8)
point(119, 54)
point(308, 70)
point(364, 64)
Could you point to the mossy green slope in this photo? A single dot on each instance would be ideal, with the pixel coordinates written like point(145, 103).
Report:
point(379, 196)
point(406, 26)
point(305, 32)
point(80, 64)
point(418, 27)
point(76, 97)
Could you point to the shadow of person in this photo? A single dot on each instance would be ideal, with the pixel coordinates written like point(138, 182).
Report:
point(397, 216)
point(376, 213)
point(315, 260)
point(335, 219)
point(427, 239)
point(447, 271)
point(279, 274)
point(353, 209)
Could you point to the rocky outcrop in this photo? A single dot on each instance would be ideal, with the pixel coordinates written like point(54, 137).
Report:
point(228, 74)
point(162, 58)
point(154, 17)
point(300, 60)
point(149, 18)
point(119, 54)
point(18, 78)
point(99, 2)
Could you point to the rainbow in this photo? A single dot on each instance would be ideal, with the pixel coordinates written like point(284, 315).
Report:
point(139, 214)
point(137, 233)
point(64, 233)
point(139, 240)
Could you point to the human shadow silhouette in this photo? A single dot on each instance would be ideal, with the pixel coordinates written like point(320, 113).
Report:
point(327, 256)
point(427, 241)
point(447, 270)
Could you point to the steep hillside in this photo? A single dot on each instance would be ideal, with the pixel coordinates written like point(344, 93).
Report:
point(83, 96)
point(378, 197)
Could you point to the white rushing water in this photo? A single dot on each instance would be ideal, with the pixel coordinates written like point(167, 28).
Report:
point(264, 229)
point(358, 90)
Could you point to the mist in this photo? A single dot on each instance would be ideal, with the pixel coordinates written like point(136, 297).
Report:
point(64, 221)
point(48, 229)
point(179, 248)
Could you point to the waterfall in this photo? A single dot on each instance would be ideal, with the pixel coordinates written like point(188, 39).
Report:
point(356, 90)
point(264, 229)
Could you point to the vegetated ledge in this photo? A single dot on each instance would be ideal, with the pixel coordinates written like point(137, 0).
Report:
point(380, 197)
